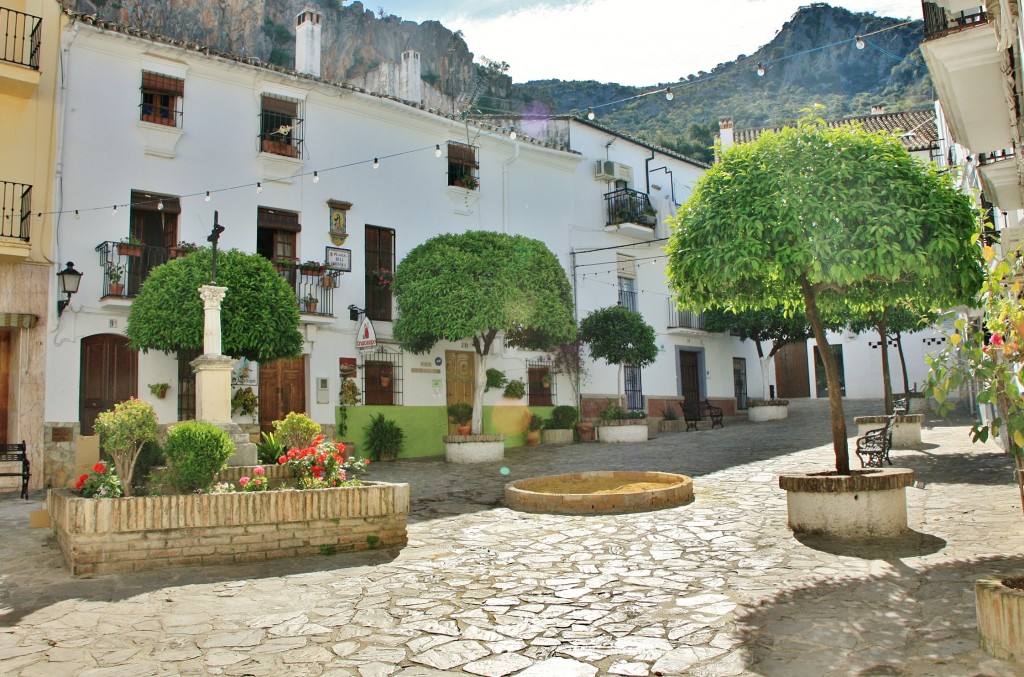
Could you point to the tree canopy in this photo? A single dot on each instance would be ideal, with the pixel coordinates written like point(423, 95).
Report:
point(259, 315)
point(619, 336)
point(475, 285)
point(828, 220)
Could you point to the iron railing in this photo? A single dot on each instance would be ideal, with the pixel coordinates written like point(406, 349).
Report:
point(627, 299)
point(938, 22)
point(126, 265)
point(15, 210)
point(634, 388)
point(684, 319)
point(314, 287)
point(629, 206)
point(20, 41)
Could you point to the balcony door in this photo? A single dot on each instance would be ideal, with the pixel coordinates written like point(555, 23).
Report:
point(154, 224)
point(689, 375)
point(282, 390)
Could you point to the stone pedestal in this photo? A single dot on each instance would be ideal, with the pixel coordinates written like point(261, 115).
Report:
point(866, 503)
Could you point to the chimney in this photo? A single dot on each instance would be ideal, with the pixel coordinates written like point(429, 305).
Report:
point(410, 77)
point(878, 110)
point(307, 41)
point(725, 132)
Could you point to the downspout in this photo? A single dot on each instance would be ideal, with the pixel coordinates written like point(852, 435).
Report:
point(647, 174)
point(504, 187)
point(576, 313)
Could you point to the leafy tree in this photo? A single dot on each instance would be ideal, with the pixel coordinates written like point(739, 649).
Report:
point(259, 316)
point(765, 324)
point(832, 220)
point(475, 285)
point(619, 336)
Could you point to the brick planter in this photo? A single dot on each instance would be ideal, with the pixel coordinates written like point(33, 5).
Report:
point(906, 431)
point(556, 436)
point(625, 430)
point(474, 448)
point(121, 535)
point(865, 503)
point(1000, 619)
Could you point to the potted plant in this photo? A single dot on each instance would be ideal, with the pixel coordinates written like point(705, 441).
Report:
point(533, 429)
point(159, 389)
point(461, 413)
point(515, 390)
point(284, 265)
point(384, 438)
point(470, 182)
point(183, 249)
point(382, 277)
point(312, 267)
point(385, 377)
point(115, 273)
point(245, 402)
point(130, 246)
point(558, 429)
point(309, 302)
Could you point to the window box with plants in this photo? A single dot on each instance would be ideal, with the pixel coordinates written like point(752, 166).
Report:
point(381, 277)
point(183, 249)
point(131, 246)
point(311, 267)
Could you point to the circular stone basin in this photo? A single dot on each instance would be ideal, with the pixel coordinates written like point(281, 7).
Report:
point(599, 493)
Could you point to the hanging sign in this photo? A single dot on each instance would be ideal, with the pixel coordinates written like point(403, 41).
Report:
point(338, 259)
point(366, 337)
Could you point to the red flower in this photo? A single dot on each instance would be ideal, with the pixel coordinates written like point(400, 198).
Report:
point(282, 460)
point(258, 470)
point(81, 482)
point(997, 339)
point(99, 467)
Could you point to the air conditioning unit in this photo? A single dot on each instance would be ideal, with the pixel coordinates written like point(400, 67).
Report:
point(607, 170)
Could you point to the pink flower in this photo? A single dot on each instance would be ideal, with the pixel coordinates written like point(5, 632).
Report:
point(997, 339)
point(258, 470)
point(242, 481)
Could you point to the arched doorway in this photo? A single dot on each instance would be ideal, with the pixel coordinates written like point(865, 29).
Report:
point(109, 374)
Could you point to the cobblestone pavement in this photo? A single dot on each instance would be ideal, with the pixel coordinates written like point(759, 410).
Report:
point(717, 587)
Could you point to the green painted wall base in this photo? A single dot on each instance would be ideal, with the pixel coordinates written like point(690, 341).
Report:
point(426, 426)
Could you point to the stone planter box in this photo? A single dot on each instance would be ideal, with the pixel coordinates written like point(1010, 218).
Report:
point(865, 503)
point(556, 436)
point(474, 448)
point(122, 535)
point(676, 426)
point(1000, 619)
point(771, 410)
point(626, 430)
point(906, 431)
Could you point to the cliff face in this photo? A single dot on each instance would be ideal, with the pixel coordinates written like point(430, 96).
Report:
point(355, 40)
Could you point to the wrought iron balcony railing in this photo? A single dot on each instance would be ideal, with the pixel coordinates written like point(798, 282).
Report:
point(126, 265)
point(627, 299)
point(629, 206)
point(314, 287)
point(20, 36)
point(684, 319)
point(938, 22)
point(15, 210)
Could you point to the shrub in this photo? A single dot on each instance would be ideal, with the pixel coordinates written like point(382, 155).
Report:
point(536, 423)
point(516, 389)
point(122, 432)
point(151, 454)
point(460, 413)
point(614, 412)
point(563, 417)
point(296, 431)
point(196, 451)
point(384, 438)
point(670, 413)
point(268, 449)
point(495, 379)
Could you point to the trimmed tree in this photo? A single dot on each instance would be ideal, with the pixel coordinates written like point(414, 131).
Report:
point(830, 220)
point(619, 336)
point(259, 316)
point(473, 286)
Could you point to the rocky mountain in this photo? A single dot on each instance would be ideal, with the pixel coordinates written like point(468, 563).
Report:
point(848, 81)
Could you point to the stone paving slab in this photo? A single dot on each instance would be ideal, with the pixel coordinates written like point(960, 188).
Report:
point(718, 587)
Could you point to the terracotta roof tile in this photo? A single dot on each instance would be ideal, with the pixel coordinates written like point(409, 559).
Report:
point(916, 127)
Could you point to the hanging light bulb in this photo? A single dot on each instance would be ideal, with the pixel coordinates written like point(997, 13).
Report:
point(860, 42)
point(160, 204)
point(78, 216)
point(376, 163)
point(259, 187)
point(760, 71)
point(316, 177)
point(668, 94)
point(512, 134)
point(207, 198)
point(590, 114)
point(114, 212)
point(437, 150)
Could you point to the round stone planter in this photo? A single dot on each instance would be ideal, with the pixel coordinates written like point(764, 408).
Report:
point(906, 430)
point(774, 410)
point(1000, 619)
point(474, 448)
point(556, 436)
point(619, 432)
point(865, 503)
point(667, 490)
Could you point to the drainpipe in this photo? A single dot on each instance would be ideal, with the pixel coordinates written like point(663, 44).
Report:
point(647, 174)
point(504, 187)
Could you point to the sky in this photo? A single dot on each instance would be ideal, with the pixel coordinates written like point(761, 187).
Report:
point(631, 42)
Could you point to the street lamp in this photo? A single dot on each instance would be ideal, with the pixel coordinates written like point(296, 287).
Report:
point(68, 279)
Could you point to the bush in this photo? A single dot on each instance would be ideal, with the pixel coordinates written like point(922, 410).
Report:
point(268, 449)
point(460, 413)
point(536, 423)
point(670, 413)
point(614, 412)
point(296, 431)
point(151, 454)
point(122, 432)
point(563, 417)
point(515, 390)
point(196, 451)
point(495, 379)
point(384, 439)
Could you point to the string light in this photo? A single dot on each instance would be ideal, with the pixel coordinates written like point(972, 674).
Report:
point(207, 198)
point(437, 150)
point(259, 187)
point(77, 215)
point(316, 177)
point(160, 205)
point(512, 134)
point(668, 94)
point(114, 212)
point(860, 42)
point(760, 70)
point(590, 114)
point(376, 163)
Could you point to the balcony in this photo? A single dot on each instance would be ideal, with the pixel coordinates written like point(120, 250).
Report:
point(126, 266)
point(314, 288)
point(20, 36)
point(683, 321)
point(999, 175)
point(15, 219)
point(967, 66)
point(629, 212)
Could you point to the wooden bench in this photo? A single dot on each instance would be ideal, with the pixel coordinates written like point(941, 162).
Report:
point(873, 447)
point(695, 412)
point(16, 453)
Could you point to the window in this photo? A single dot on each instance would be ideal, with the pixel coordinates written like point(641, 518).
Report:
point(162, 97)
point(462, 166)
point(154, 227)
point(380, 265)
point(382, 377)
point(187, 385)
point(281, 126)
point(540, 382)
point(634, 388)
point(275, 239)
point(626, 268)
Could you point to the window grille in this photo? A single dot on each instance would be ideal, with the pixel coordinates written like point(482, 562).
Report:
point(627, 293)
point(382, 377)
point(634, 388)
point(540, 382)
point(379, 255)
point(281, 126)
point(162, 97)
point(462, 165)
point(186, 385)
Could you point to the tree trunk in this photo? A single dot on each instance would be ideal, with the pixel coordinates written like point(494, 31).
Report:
point(835, 395)
point(764, 362)
point(478, 395)
point(883, 334)
point(618, 388)
point(903, 362)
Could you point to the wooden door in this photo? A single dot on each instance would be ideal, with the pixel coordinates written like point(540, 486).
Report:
point(791, 374)
point(460, 378)
point(109, 374)
point(689, 375)
point(5, 383)
point(282, 390)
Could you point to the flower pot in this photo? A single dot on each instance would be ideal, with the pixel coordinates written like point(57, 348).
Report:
point(116, 289)
point(327, 282)
point(1000, 606)
point(311, 306)
point(385, 381)
point(464, 429)
point(278, 148)
point(125, 249)
point(585, 431)
point(161, 395)
point(532, 438)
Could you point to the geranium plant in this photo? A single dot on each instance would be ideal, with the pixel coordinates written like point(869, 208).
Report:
point(100, 483)
point(382, 277)
point(258, 481)
point(322, 464)
point(990, 354)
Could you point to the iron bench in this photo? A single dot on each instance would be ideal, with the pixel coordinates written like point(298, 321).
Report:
point(901, 405)
point(16, 453)
point(695, 412)
point(714, 413)
point(873, 447)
